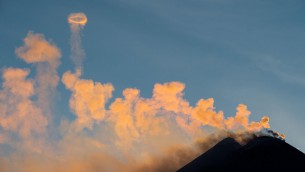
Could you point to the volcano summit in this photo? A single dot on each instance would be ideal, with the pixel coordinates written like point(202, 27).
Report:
point(260, 154)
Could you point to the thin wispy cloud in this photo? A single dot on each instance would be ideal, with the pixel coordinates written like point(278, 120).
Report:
point(285, 71)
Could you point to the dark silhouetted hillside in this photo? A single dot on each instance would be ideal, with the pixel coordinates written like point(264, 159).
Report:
point(260, 154)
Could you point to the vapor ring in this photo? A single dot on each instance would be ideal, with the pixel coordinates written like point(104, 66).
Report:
point(77, 18)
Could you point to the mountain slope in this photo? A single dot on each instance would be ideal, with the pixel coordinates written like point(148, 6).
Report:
point(260, 154)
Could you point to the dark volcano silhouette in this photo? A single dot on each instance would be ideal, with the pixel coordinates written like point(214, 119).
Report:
point(260, 154)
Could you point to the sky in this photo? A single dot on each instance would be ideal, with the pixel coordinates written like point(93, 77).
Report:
point(236, 52)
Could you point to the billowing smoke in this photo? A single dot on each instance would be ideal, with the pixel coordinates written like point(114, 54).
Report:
point(26, 103)
point(132, 133)
point(45, 56)
point(88, 99)
point(22, 121)
point(77, 22)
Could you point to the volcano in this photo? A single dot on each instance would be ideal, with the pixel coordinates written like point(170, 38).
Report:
point(260, 154)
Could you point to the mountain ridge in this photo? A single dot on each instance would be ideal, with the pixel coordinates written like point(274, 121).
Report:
point(263, 153)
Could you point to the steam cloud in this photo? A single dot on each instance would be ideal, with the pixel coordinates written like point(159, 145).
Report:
point(132, 133)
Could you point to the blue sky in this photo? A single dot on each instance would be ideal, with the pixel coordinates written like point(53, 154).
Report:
point(249, 52)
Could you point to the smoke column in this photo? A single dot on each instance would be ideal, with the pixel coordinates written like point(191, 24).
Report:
point(45, 56)
point(77, 22)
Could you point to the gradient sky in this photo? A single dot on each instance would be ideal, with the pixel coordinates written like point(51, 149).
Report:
point(239, 51)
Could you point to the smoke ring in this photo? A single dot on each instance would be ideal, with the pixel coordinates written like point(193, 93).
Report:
point(77, 18)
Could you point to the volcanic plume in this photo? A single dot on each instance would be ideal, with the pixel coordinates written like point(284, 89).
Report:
point(130, 133)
